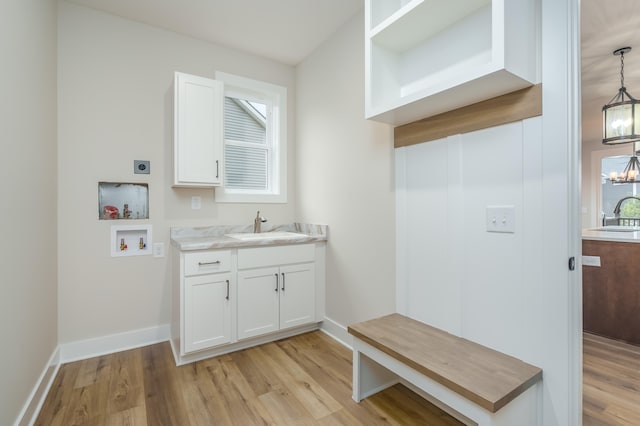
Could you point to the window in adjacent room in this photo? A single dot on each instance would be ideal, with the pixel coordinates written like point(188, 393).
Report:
point(612, 193)
point(255, 142)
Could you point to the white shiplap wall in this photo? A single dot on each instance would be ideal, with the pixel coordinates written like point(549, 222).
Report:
point(453, 273)
point(496, 289)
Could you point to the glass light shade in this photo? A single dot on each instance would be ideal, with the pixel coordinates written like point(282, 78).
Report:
point(621, 120)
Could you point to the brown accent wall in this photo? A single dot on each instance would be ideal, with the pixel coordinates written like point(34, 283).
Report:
point(611, 293)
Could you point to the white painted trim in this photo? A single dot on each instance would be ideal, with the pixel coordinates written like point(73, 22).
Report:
point(237, 86)
point(574, 127)
point(336, 331)
point(34, 402)
point(89, 348)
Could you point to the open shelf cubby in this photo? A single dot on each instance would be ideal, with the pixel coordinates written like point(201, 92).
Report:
point(424, 57)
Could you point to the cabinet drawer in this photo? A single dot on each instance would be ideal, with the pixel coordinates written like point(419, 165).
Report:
point(207, 262)
point(259, 257)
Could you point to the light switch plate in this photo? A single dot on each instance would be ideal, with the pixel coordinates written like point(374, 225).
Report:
point(501, 219)
point(141, 167)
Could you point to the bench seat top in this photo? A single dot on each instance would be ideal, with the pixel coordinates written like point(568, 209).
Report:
point(487, 377)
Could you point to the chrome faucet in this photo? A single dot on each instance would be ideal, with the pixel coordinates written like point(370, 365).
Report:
point(616, 210)
point(257, 223)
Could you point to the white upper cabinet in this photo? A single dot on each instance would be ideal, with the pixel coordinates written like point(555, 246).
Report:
point(425, 57)
point(198, 131)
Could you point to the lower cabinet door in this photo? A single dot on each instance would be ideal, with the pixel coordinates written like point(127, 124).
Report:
point(297, 295)
point(258, 292)
point(207, 311)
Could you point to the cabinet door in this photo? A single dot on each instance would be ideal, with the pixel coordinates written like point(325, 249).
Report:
point(297, 295)
point(258, 292)
point(207, 311)
point(199, 139)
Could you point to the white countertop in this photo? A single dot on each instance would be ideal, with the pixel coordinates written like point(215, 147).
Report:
point(215, 237)
point(616, 236)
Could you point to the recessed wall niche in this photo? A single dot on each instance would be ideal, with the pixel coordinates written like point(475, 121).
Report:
point(120, 200)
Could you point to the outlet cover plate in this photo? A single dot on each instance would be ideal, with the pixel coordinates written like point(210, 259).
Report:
point(591, 261)
point(196, 202)
point(141, 167)
point(158, 249)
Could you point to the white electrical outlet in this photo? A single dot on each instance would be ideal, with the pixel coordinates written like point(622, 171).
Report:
point(158, 249)
point(196, 203)
point(591, 261)
point(501, 219)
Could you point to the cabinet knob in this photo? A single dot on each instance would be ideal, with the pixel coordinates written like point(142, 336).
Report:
point(283, 281)
point(277, 281)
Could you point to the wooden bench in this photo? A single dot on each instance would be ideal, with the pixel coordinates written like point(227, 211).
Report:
point(475, 384)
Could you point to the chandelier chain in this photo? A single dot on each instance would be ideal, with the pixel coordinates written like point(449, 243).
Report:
point(622, 69)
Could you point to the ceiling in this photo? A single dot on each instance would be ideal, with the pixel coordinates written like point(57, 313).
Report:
point(289, 30)
point(282, 30)
point(606, 26)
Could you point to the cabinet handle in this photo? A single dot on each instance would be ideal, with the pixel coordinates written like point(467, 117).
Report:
point(227, 290)
point(217, 170)
point(217, 262)
point(283, 281)
point(277, 282)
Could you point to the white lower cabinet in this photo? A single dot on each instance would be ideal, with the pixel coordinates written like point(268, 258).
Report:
point(275, 298)
point(204, 308)
point(297, 295)
point(225, 300)
point(207, 313)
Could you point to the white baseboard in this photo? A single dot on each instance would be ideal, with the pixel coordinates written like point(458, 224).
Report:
point(89, 348)
point(36, 398)
point(336, 331)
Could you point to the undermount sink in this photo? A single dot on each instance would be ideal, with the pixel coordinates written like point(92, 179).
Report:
point(615, 228)
point(276, 235)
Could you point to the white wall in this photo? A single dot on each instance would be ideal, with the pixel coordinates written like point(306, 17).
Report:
point(28, 311)
point(512, 292)
point(115, 86)
point(345, 178)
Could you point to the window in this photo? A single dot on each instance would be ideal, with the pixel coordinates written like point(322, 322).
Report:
point(602, 195)
point(255, 142)
point(612, 193)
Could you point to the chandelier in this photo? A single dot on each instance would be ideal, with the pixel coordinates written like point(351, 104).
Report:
point(631, 172)
point(621, 116)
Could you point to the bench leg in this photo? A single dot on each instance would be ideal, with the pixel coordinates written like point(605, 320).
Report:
point(369, 377)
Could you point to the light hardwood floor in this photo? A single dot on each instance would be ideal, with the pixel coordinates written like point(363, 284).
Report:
point(304, 380)
point(611, 382)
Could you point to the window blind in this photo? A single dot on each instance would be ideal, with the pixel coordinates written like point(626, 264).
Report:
point(246, 150)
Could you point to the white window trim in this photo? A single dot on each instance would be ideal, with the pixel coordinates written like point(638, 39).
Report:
point(240, 87)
